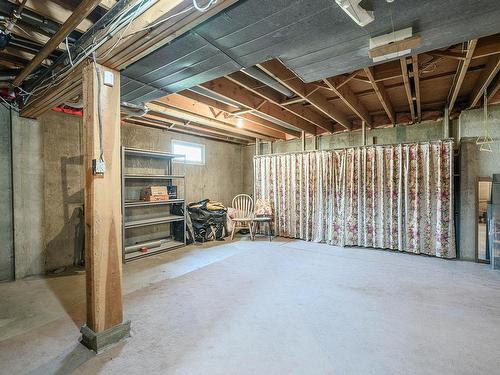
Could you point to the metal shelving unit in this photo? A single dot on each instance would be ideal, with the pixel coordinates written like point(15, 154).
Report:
point(151, 227)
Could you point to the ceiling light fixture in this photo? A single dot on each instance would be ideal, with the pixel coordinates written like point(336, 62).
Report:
point(358, 14)
point(239, 122)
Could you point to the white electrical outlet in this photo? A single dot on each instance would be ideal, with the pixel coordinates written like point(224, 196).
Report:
point(108, 78)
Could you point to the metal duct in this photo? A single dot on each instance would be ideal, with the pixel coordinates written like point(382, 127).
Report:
point(259, 75)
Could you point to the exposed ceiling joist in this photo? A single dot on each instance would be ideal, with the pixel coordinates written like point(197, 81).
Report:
point(382, 95)
point(79, 14)
point(136, 41)
point(230, 90)
point(406, 82)
point(184, 129)
point(192, 106)
point(339, 87)
point(274, 97)
point(287, 78)
point(247, 116)
point(416, 80)
point(56, 12)
point(182, 114)
point(486, 77)
point(460, 75)
point(494, 87)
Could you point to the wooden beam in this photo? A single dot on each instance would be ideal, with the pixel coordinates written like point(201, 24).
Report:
point(448, 54)
point(287, 78)
point(29, 32)
point(339, 87)
point(400, 45)
point(79, 14)
point(184, 103)
point(381, 94)
point(227, 109)
point(128, 46)
point(276, 98)
point(406, 82)
point(107, 4)
point(494, 87)
point(230, 90)
point(460, 75)
point(103, 231)
point(416, 81)
point(487, 75)
point(198, 132)
point(56, 12)
point(178, 113)
point(487, 46)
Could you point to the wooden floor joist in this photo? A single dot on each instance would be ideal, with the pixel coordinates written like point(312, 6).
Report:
point(460, 75)
point(127, 47)
point(381, 94)
point(486, 77)
point(288, 79)
point(223, 87)
point(406, 82)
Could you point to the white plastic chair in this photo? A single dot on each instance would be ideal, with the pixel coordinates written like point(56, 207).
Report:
point(244, 214)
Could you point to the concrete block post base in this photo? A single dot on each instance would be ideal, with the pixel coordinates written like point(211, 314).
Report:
point(101, 341)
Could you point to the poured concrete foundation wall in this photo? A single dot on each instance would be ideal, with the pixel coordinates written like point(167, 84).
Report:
point(425, 131)
point(49, 180)
point(6, 224)
point(27, 165)
point(474, 164)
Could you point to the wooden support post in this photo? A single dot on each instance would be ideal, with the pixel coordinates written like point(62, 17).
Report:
point(103, 234)
point(303, 140)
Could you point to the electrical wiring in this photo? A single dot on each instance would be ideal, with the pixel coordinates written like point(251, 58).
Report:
point(203, 8)
point(120, 21)
point(69, 52)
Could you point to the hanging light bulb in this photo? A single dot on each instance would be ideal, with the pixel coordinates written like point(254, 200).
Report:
point(239, 122)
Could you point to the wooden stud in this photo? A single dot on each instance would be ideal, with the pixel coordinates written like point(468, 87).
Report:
point(103, 231)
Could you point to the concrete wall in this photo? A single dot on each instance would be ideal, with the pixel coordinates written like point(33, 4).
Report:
point(429, 130)
point(474, 164)
point(6, 225)
point(27, 164)
point(49, 180)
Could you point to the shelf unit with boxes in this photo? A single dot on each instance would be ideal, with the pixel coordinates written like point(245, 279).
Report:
point(153, 202)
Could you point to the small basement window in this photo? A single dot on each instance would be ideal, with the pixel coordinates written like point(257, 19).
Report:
point(194, 152)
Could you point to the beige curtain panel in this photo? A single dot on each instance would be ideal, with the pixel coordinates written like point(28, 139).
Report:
point(397, 197)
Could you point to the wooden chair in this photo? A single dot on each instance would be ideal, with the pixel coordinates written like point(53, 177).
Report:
point(243, 216)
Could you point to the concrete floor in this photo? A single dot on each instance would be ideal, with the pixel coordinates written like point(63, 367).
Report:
point(286, 307)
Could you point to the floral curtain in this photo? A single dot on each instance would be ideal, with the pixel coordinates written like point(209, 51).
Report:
point(391, 197)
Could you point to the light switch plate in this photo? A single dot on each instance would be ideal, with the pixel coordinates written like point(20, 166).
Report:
point(108, 78)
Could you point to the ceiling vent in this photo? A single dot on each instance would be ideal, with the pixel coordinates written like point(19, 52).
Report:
point(358, 14)
point(395, 44)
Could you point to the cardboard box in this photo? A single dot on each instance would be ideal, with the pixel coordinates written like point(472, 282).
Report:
point(154, 193)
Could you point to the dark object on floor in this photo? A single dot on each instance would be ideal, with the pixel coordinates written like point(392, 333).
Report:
point(244, 231)
point(208, 219)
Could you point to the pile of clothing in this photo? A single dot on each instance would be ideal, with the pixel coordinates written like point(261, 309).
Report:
point(208, 220)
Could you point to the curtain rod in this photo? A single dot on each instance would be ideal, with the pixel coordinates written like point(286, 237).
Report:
point(361, 147)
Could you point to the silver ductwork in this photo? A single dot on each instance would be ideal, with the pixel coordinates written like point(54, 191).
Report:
point(259, 75)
